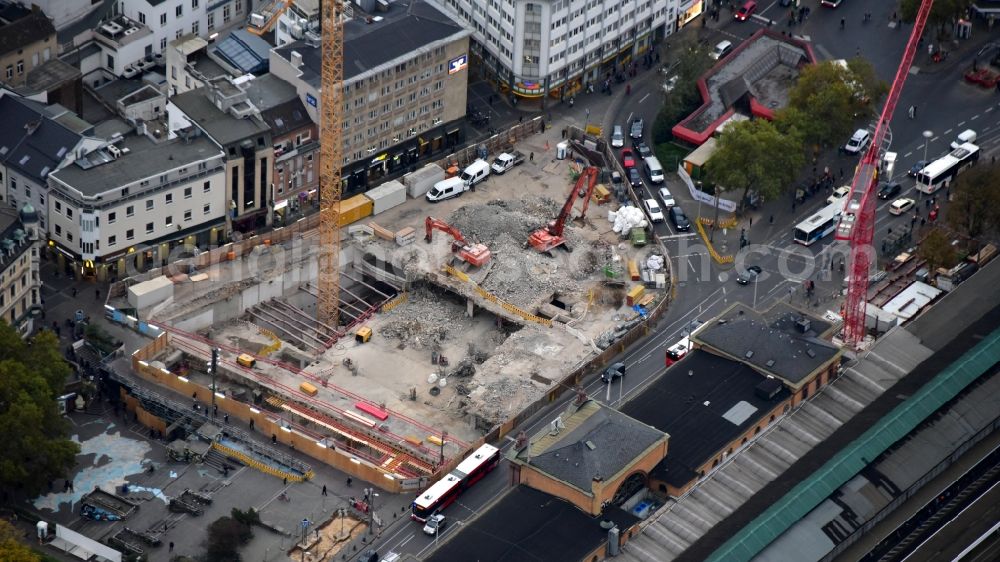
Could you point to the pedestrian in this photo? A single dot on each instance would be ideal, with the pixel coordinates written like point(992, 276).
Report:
point(843, 22)
point(284, 481)
point(324, 489)
point(750, 225)
point(274, 439)
point(66, 485)
point(923, 222)
point(74, 292)
point(251, 424)
point(225, 418)
point(793, 205)
point(770, 220)
point(520, 119)
point(349, 480)
point(927, 203)
point(170, 547)
point(912, 111)
point(564, 133)
point(97, 294)
point(531, 157)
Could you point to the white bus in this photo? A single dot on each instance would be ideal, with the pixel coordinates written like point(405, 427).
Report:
point(819, 225)
point(942, 171)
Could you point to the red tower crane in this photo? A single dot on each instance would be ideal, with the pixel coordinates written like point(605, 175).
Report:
point(474, 254)
point(857, 222)
point(551, 236)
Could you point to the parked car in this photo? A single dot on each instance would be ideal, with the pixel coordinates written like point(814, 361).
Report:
point(435, 524)
point(613, 372)
point(677, 351)
point(721, 49)
point(634, 177)
point(616, 180)
point(666, 197)
point(746, 10)
point(636, 130)
point(641, 149)
point(749, 274)
point(655, 214)
point(915, 169)
point(859, 141)
point(628, 158)
point(888, 190)
point(901, 205)
point(679, 219)
point(838, 194)
point(617, 137)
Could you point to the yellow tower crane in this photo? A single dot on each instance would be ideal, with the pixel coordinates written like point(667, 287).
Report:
point(330, 161)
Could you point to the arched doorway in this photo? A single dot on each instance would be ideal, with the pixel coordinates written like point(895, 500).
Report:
point(628, 488)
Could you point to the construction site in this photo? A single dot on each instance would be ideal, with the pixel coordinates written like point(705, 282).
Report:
point(454, 317)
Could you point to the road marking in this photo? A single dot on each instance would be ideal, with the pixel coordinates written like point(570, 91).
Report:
point(672, 236)
point(693, 270)
point(934, 139)
point(962, 123)
point(989, 109)
point(948, 132)
point(694, 255)
point(408, 539)
point(907, 155)
point(643, 98)
point(974, 117)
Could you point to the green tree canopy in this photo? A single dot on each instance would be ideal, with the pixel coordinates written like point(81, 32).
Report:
point(11, 549)
point(755, 155)
point(975, 203)
point(225, 535)
point(937, 250)
point(692, 62)
point(36, 447)
point(942, 13)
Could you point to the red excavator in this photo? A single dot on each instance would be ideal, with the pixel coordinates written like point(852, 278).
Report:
point(550, 236)
point(473, 254)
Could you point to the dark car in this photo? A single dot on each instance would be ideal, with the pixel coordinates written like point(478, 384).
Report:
point(642, 150)
point(636, 131)
point(888, 190)
point(679, 219)
point(634, 177)
point(915, 169)
point(613, 372)
point(749, 274)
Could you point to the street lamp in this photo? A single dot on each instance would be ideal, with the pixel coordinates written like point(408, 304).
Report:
point(927, 139)
point(370, 492)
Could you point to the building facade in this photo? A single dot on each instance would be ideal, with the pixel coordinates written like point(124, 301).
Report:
point(404, 99)
point(296, 157)
point(27, 41)
point(134, 203)
point(20, 299)
point(540, 49)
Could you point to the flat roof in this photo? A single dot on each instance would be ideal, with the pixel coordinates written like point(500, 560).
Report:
point(775, 342)
point(526, 524)
point(704, 402)
point(911, 300)
point(145, 159)
point(220, 125)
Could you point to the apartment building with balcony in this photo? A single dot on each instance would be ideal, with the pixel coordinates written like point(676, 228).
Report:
point(538, 49)
point(404, 97)
point(138, 201)
point(20, 284)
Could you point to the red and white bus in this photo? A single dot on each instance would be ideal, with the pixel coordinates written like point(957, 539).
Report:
point(444, 491)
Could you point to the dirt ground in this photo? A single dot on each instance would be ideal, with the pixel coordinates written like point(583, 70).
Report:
point(333, 536)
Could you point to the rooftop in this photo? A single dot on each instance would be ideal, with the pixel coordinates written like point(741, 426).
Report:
point(782, 341)
point(526, 524)
point(287, 117)
point(99, 172)
point(31, 142)
point(220, 125)
point(51, 74)
point(244, 51)
point(269, 91)
point(413, 25)
point(20, 27)
point(704, 402)
point(596, 443)
point(111, 92)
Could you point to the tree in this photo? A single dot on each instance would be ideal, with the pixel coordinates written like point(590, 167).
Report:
point(11, 549)
point(755, 155)
point(692, 62)
point(937, 251)
point(35, 437)
point(975, 201)
point(225, 535)
point(827, 98)
point(943, 13)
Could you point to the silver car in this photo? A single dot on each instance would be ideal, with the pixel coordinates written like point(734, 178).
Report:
point(617, 137)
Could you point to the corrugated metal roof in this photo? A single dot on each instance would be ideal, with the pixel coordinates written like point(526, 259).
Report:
point(894, 426)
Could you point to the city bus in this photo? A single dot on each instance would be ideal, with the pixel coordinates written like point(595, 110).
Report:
point(446, 490)
point(942, 171)
point(819, 225)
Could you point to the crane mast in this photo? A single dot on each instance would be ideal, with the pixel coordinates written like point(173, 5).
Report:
point(857, 223)
point(330, 162)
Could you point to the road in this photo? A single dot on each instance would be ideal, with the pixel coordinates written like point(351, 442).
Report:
point(705, 289)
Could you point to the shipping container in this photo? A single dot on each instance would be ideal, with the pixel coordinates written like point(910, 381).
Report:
point(419, 182)
point(386, 196)
point(354, 209)
point(308, 389)
point(152, 292)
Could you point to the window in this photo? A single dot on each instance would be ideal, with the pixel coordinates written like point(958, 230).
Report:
point(142, 18)
point(69, 212)
point(169, 220)
point(129, 234)
point(69, 236)
point(178, 34)
point(58, 207)
point(170, 198)
point(239, 6)
point(27, 191)
point(110, 63)
point(112, 217)
point(149, 228)
point(129, 211)
point(211, 21)
point(58, 230)
point(179, 11)
point(187, 216)
point(163, 20)
point(226, 12)
point(163, 44)
point(10, 71)
point(13, 184)
point(20, 67)
point(194, 28)
point(206, 209)
point(187, 192)
point(206, 187)
point(112, 240)
point(194, 4)
point(149, 204)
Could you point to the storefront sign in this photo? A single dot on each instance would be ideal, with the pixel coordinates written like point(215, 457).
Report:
point(311, 100)
point(458, 64)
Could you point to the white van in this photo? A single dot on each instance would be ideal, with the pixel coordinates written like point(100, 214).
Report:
point(446, 189)
point(476, 172)
point(965, 136)
point(653, 169)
